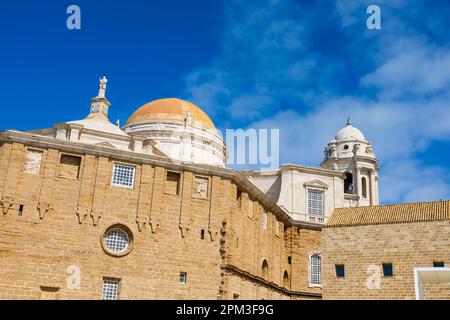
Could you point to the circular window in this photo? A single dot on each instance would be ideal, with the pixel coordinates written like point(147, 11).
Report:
point(117, 240)
point(346, 147)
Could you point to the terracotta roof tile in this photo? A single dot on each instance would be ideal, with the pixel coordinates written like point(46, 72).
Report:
point(389, 214)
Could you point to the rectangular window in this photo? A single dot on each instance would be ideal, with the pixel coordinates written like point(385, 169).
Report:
point(315, 268)
point(264, 219)
point(388, 270)
point(438, 264)
point(183, 277)
point(21, 210)
point(340, 270)
point(315, 202)
point(201, 187)
point(33, 161)
point(123, 175)
point(289, 260)
point(110, 289)
point(173, 183)
point(69, 166)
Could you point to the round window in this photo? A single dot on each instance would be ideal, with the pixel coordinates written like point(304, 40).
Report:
point(346, 147)
point(117, 240)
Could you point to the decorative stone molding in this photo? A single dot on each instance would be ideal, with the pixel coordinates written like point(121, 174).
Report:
point(44, 208)
point(82, 214)
point(7, 203)
point(154, 226)
point(222, 250)
point(212, 233)
point(96, 215)
point(316, 184)
point(184, 229)
point(141, 221)
point(105, 145)
point(232, 269)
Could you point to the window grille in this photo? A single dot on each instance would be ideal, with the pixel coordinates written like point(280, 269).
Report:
point(123, 175)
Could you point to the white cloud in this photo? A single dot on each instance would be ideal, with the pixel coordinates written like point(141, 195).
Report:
point(401, 103)
point(417, 70)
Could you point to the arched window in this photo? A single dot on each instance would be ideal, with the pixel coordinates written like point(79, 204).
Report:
point(364, 187)
point(348, 183)
point(265, 269)
point(286, 279)
point(315, 268)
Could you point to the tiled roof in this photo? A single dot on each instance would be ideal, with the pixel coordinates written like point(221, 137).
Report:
point(389, 214)
point(171, 108)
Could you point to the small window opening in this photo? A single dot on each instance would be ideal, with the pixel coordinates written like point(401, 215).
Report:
point(21, 210)
point(388, 270)
point(340, 270)
point(183, 277)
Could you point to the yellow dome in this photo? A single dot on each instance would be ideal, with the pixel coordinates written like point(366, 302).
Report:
point(171, 109)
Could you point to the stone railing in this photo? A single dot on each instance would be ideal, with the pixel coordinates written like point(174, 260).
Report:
point(314, 218)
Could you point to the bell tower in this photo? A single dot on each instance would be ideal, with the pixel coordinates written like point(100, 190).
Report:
point(350, 153)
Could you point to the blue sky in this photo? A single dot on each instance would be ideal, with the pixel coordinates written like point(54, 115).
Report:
point(300, 66)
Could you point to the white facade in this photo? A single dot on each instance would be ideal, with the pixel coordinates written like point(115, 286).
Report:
point(347, 177)
point(181, 141)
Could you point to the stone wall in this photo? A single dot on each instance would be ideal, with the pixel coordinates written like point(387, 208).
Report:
point(363, 250)
point(53, 222)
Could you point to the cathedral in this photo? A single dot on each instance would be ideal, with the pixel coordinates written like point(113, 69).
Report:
point(150, 210)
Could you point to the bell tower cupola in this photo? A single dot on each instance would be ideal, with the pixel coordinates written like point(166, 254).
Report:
point(350, 153)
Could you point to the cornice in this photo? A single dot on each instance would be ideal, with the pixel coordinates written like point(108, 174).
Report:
point(249, 276)
point(312, 170)
point(139, 158)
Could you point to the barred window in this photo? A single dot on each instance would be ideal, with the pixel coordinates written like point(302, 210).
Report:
point(123, 175)
point(117, 240)
point(110, 289)
point(315, 269)
point(264, 219)
point(315, 202)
